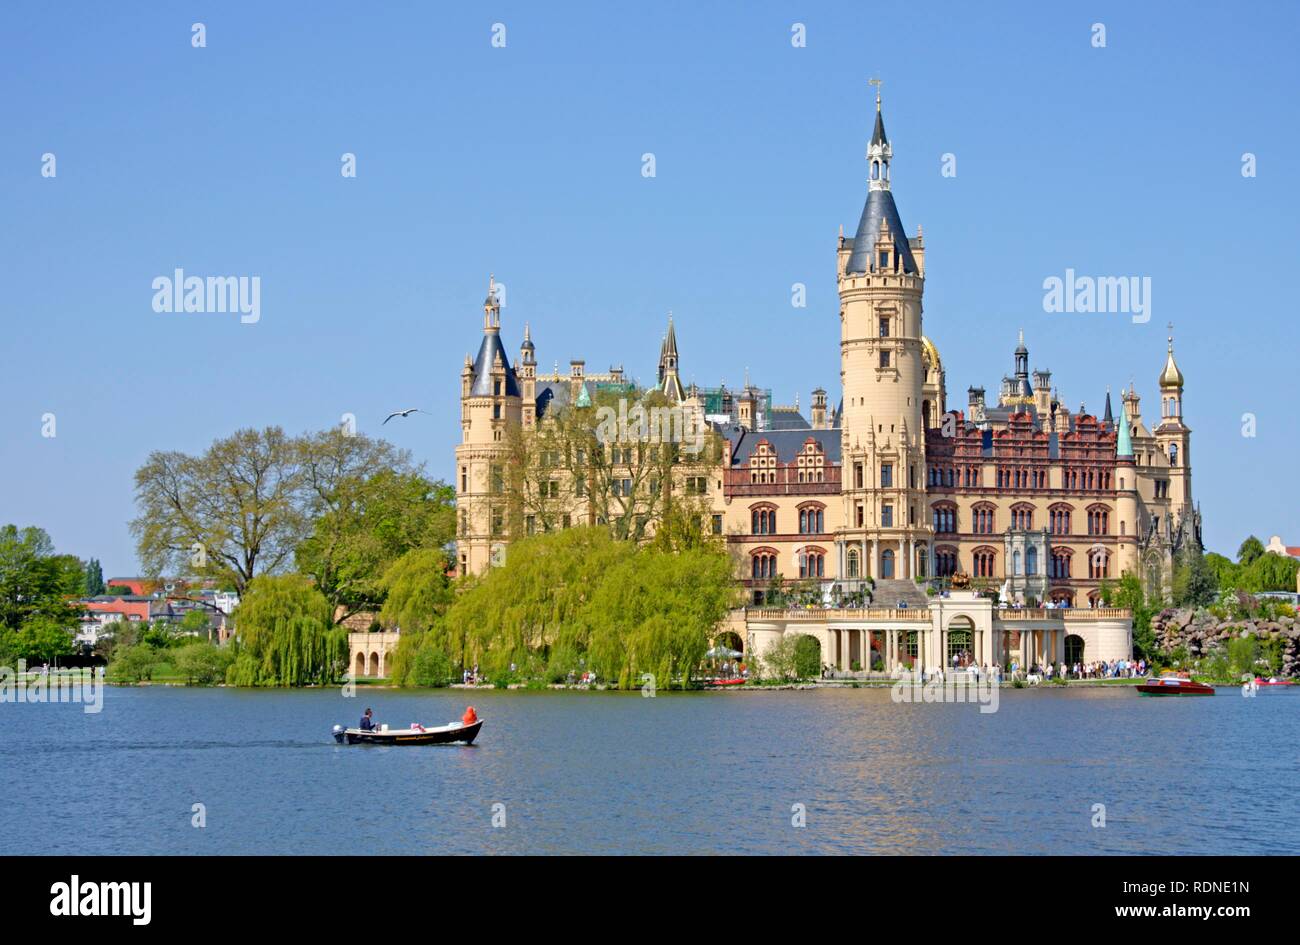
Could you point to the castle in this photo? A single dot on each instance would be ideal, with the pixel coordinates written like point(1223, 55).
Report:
point(889, 491)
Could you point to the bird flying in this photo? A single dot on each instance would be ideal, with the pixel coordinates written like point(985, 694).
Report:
point(403, 413)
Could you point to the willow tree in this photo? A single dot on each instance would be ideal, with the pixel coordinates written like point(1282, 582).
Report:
point(655, 613)
point(529, 607)
point(285, 635)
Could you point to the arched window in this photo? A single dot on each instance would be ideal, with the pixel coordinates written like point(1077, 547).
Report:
point(887, 563)
point(1015, 563)
point(1031, 561)
point(853, 562)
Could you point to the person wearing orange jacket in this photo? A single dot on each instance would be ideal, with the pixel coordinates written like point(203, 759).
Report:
point(470, 716)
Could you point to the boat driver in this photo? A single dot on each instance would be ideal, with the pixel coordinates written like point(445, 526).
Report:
point(368, 722)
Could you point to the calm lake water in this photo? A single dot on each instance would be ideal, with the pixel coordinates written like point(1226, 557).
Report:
point(685, 773)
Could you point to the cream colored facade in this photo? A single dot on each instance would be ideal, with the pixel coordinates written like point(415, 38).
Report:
point(1017, 493)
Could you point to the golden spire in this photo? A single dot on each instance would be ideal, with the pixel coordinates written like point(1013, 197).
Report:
point(1171, 376)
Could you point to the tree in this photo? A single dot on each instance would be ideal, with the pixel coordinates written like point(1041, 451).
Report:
point(202, 663)
point(43, 640)
point(133, 664)
point(285, 635)
point(34, 581)
point(235, 511)
point(1250, 549)
point(196, 622)
point(1194, 583)
point(1129, 594)
point(577, 466)
point(94, 578)
point(417, 590)
point(366, 523)
point(808, 656)
point(780, 659)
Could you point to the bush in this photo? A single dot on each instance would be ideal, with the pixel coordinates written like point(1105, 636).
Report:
point(133, 664)
point(807, 656)
point(202, 664)
point(432, 668)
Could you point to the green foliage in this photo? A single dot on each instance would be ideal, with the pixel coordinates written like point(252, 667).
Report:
point(580, 599)
point(780, 659)
point(1255, 571)
point(419, 661)
point(807, 656)
point(1249, 551)
point(285, 635)
point(1242, 653)
point(202, 664)
point(133, 664)
point(416, 590)
point(94, 578)
point(1195, 583)
point(34, 581)
point(196, 622)
point(41, 640)
point(345, 505)
point(1129, 594)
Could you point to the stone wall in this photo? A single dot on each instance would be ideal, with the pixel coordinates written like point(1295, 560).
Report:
point(1201, 631)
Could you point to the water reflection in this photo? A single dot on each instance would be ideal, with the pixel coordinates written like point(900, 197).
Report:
point(696, 773)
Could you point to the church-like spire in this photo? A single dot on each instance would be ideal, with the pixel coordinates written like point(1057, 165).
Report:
point(1124, 442)
point(669, 383)
point(1108, 416)
point(879, 210)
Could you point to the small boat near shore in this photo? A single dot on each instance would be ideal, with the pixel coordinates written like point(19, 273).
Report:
point(1273, 681)
point(736, 681)
point(1174, 686)
point(454, 733)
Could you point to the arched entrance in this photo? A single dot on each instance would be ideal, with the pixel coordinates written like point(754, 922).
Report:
point(374, 665)
point(361, 665)
point(730, 639)
point(960, 649)
point(1073, 649)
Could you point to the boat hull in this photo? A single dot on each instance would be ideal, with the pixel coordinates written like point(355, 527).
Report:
point(459, 735)
point(1185, 689)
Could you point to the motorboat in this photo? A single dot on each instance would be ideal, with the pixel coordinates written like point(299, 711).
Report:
point(1174, 686)
point(1273, 681)
point(450, 734)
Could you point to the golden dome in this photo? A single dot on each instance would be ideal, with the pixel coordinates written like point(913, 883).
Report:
point(930, 355)
point(1171, 376)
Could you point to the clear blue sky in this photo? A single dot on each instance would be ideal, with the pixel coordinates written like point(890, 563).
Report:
point(526, 161)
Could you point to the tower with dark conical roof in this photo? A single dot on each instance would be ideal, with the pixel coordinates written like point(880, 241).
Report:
point(882, 368)
point(490, 403)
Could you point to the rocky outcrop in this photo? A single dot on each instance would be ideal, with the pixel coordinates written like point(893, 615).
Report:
point(1200, 631)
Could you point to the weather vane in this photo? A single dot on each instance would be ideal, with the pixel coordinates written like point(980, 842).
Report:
point(877, 83)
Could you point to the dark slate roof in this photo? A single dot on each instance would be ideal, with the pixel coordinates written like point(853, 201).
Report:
point(879, 206)
point(551, 396)
point(878, 135)
point(787, 420)
point(487, 352)
point(788, 443)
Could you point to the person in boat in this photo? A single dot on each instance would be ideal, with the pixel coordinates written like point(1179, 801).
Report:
point(368, 721)
point(470, 716)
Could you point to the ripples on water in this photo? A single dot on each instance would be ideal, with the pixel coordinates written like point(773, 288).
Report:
point(685, 773)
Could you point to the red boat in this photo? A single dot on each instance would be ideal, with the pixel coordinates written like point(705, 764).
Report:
point(738, 681)
point(1174, 686)
point(1273, 681)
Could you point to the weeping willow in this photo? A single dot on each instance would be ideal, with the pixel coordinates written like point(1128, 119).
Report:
point(285, 637)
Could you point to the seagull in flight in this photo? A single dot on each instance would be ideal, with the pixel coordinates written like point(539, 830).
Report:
point(403, 413)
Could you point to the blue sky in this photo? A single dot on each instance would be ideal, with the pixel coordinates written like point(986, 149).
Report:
point(526, 161)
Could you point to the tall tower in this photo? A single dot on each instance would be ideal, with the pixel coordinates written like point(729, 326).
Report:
point(490, 403)
point(1173, 436)
point(882, 367)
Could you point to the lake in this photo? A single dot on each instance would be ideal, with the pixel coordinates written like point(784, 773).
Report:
point(692, 773)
